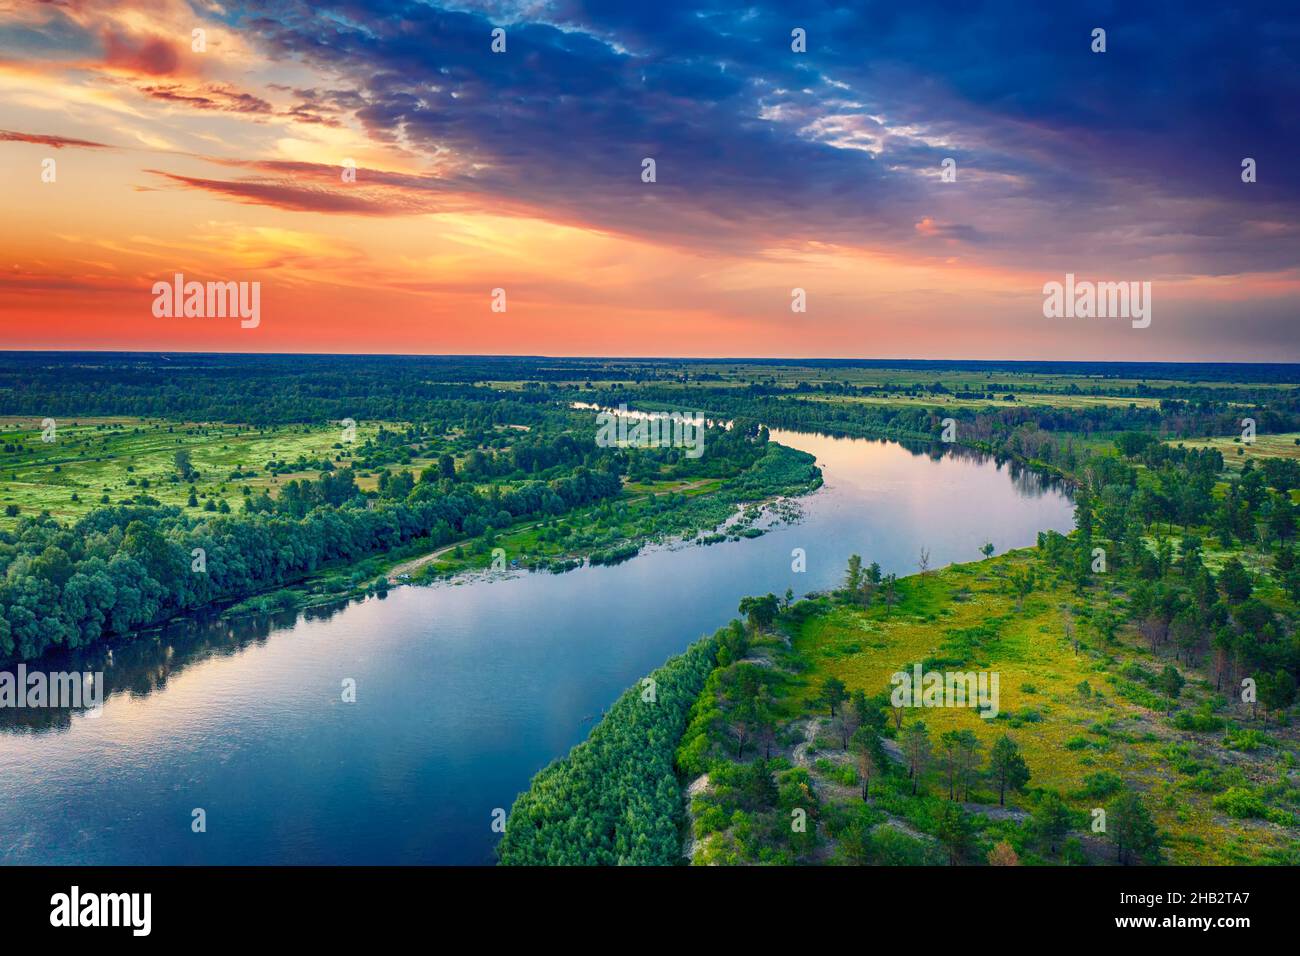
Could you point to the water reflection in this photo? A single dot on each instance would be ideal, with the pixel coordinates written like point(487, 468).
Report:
point(142, 664)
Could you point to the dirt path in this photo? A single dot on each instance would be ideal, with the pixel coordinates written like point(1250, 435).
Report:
point(698, 786)
point(800, 758)
point(406, 567)
point(800, 753)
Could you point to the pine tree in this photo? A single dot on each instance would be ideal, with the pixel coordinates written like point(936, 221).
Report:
point(1008, 767)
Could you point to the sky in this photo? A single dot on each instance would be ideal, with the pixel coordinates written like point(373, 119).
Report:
point(379, 169)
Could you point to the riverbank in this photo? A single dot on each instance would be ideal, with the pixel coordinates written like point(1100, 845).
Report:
point(704, 512)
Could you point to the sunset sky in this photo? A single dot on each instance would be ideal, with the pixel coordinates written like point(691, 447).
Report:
point(775, 169)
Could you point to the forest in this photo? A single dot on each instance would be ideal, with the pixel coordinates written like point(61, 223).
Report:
point(615, 799)
point(161, 537)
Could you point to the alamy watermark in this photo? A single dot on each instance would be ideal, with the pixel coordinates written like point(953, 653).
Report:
point(946, 689)
point(1100, 300)
point(210, 300)
point(130, 910)
point(70, 690)
point(622, 429)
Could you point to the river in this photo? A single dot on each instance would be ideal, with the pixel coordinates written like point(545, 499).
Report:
point(463, 691)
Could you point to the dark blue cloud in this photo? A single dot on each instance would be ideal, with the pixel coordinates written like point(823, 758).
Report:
point(1063, 154)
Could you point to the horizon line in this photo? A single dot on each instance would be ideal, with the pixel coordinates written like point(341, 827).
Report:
point(656, 358)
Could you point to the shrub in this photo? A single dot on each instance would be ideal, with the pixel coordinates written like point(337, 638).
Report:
point(1245, 740)
point(1240, 802)
point(1072, 852)
point(1103, 783)
point(1200, 720)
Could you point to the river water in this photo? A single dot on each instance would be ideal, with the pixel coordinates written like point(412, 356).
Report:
point(463, 691)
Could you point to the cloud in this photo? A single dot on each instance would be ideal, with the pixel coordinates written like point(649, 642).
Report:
point(209, 96)
point(149, 54)
point(55, 142)
point(1056, 146)
point(1067, 160)
point(946, 230)
point(315, 188)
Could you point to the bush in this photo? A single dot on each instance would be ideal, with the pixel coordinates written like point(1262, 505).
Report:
point(1103, 783)
point(1282, 818)
point(1206, 781)
point(1200, 720)
point(1245, 740)
point(888, 846)
point(1240, 803)
point(1072, 852)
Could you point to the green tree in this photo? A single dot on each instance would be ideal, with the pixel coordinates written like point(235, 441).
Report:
point(950, 758)
point(1234, 582)
point(955, 832)
point(889, 590)
point(1022, 583)
point(870, 710)
point(1171, 684)
point(916, 749)
point(1130, 827)
point(1051, 820)
point(846, 725)
point(733, 643)
point(1008, 767)
point(760, 611)
point(1277, 691)
point(872, 759)
point(765, 719)
point(832, 693)
point(740, 726)
point(853, 576)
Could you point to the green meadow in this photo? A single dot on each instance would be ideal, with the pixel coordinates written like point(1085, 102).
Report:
point(1079, 716)
point(121, 459)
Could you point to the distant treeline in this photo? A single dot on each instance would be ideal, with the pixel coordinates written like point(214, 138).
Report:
point(261, 391)
point(1043, 434)
point(270, 389)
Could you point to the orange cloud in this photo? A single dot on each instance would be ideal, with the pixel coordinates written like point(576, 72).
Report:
point(151, 55)
point(55, 142)
point(209, 96)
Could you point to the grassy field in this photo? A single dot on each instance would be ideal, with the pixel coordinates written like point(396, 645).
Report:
point(1073, 714)
point(939, 399)
point(1236, 452)
point(121, 458)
